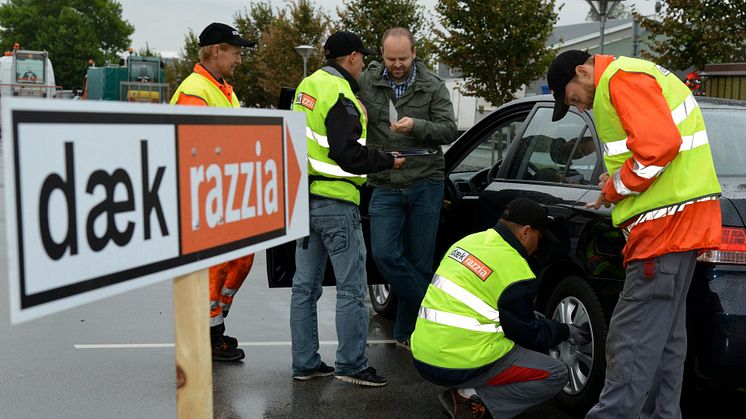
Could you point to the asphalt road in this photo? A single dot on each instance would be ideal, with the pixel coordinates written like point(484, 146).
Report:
point(114, 359)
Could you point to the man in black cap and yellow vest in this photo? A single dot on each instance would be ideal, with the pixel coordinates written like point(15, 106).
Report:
point(476, 331)
point(219, 56)
point(337, 162)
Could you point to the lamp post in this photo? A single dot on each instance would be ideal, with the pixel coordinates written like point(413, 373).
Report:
point(604, 8)
point(304, 51)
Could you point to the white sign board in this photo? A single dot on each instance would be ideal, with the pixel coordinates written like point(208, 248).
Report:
point(105, 197)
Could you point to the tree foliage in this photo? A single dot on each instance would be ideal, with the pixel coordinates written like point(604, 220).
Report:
point(71, 31)
point(371, 18)
point(180, 68)
point(499, 45)
point(277, 64)
point(693, 33)
point(252, 23)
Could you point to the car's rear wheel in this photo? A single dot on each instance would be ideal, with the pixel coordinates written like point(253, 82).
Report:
point(383, 300)
point(573, 301)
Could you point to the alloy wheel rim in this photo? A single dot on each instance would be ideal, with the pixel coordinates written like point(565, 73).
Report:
point(578, 358)
point(380, 293)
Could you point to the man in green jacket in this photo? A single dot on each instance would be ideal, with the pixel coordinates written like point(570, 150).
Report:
point(410, 112)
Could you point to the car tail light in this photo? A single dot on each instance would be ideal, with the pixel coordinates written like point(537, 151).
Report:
point(732, 248)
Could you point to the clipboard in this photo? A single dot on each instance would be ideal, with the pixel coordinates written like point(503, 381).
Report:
point(414, 152)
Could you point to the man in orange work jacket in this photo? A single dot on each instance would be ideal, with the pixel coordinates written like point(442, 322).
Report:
point(661, 179)
point(219, 56)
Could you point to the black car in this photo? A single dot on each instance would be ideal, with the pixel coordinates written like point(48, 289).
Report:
point(517, 151)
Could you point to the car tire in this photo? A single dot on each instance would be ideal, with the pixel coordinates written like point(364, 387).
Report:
point(383, 300)
point(573, 301)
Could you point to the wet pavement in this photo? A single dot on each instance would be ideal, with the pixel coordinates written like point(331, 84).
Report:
point(114, 359)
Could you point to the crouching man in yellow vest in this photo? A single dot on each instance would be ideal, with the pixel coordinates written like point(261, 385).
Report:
point(477, 332)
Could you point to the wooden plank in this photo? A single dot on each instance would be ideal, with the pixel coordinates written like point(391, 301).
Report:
point(728, 88)
point(193, 353)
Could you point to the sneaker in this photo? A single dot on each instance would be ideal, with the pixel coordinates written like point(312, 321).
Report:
point(222, 352)
point(366, 377)
point(322, 370)
point(406, 344)
point(456, 406)
point(230, 341)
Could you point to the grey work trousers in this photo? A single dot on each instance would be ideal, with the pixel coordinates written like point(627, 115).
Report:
point(520, 379)
point(646, 345)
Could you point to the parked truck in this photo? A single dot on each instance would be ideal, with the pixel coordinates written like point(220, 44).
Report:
point(140, 79)
point(26, 73)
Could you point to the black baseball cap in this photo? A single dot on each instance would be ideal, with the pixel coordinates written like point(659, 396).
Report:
point(561, 71)
point(219, 33)
point(526, 212)
point(344, 43)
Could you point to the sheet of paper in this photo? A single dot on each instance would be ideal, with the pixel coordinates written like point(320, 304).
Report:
point(393, 115)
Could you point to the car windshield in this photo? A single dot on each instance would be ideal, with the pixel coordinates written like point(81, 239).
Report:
point(726, 129)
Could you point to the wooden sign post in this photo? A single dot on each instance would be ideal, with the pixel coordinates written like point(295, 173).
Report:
point(193, 353)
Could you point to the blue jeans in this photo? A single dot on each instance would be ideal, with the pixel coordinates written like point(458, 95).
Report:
point(336, 233)
point(403, 226)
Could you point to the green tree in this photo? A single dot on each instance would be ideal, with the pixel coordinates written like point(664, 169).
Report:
point(371, 18)
point(147, 52)
point(71, 31)
point(277, 63)
point(180, 68)
point(692, 33)
point(499, 45)
point(252, 23)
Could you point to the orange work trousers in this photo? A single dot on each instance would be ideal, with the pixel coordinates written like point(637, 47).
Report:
point(225, 280)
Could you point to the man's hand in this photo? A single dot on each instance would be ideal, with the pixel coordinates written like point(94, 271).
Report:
point(399, 162)
point(603, 179)
point(601, 200)
point(580, 335)
point(403, 126)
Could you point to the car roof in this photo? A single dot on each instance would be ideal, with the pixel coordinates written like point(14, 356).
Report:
point(704, 101)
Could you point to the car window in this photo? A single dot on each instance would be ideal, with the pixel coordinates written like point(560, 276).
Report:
point(725, 130)
point(562, 151)
point(491, 148)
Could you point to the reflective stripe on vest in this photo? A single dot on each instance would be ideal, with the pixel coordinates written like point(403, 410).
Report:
point(469, 299)
point(321, 139)
point(670, 210)
point(688, 142)
point(694, 160)
point(327, 168)
point(200, 86)
point(457, 320)
point(315, 96)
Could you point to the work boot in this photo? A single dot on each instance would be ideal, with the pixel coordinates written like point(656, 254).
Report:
point(224, 353)
point(230, 341)
point(458, 407)
point(224, 348)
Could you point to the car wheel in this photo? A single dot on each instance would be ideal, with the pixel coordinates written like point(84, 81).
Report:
point(383, 300)
point(573, 301)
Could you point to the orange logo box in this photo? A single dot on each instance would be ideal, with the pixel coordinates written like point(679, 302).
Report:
point(231, 183)
point(478, 267)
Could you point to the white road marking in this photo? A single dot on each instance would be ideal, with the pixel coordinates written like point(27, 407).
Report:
point(171, 345)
